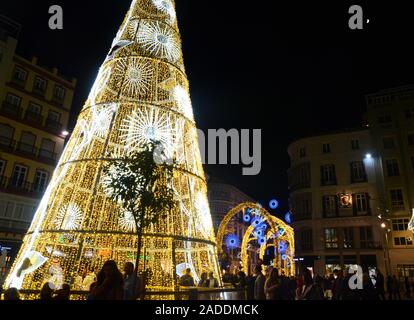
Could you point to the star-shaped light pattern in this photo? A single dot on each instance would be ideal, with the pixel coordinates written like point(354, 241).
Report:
point(183, 100)
point(148, 125)
point(138, 76)
point(69, 217)
point(160, 40)
point(203, 210)
point(165, 6)
point(102, 119)
point(127, 221)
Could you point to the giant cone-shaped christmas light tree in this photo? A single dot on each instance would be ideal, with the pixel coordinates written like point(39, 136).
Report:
point(141, 94)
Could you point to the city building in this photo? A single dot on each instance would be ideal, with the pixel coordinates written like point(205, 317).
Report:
point(334, 200)
point(352, 193)
point(390, 116)
point(35, 103)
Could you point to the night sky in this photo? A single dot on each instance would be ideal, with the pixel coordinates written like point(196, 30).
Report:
point(289, 69)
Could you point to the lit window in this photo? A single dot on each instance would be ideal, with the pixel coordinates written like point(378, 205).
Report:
point(331, 238)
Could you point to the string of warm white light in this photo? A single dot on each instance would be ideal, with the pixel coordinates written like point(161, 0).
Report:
point(141, 94)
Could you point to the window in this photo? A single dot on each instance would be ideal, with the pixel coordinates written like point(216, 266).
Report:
point(41, 180)
point(330, 206)
point(59, 93)
point(20, 74)
point(411, 139)
point(6, 134)
point(34, 108)
point(302, 152)
point(331, 238)
point(355, 144)
point(348, 235)
point(306, 241)
point(19, 176)
point(326, 148)
point(40, 84)
point(393, 169)
point(403, 241)
point(53, 116)
point(2, 167)
point(365, 235)
point(47, 150)
point(400, 224)
point(397, 199)
point(361, 202)
point(358, 173)
point(388, 143)
point(13, 100)
point(328, 175)
point(27, 142)
point(385, 119)
point(302, 206)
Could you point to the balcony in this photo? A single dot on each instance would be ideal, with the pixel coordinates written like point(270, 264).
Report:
point(53, 126)
point(19, 82)
point(20, 187)
point(33, 118)
point(11, 110)
point(47, 156)
point(7, 144)
point(27, 151)
point(40, 92)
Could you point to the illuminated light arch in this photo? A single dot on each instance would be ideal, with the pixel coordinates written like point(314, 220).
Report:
point(272, 235)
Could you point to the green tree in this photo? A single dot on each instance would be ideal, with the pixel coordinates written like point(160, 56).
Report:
point(142, 186)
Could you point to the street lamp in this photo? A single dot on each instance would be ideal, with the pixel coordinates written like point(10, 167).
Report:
point(387, 259)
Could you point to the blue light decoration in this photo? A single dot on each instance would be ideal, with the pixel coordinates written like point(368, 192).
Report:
point(284, 257)
point(288, 218)
point(256, 222)
point(281, 232)
point(246, 217)
point(273, 204)
point(282, 247)
point(232, 241)
point(262, 226)
point(259, 233)
point(261, 241)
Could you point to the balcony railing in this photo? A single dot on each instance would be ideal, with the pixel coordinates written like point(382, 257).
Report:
point(53, 125)
point(20, 187)
point(28, 150)
point(33, 117)
point(11, 109)
point(39, 91)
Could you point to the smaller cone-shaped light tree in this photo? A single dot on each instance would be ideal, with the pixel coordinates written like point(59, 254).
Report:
point(142, 185)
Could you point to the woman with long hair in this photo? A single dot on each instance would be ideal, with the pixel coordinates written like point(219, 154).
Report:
point(272, 285)
point(109, 284)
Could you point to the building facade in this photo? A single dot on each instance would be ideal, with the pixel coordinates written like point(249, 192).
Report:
point(352, 193)
point(390, 115)
point(34, 113)
point(334, 200)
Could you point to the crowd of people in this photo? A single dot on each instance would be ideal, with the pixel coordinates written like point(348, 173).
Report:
point(273, 285)
point(109, 284)
point(263, 284)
